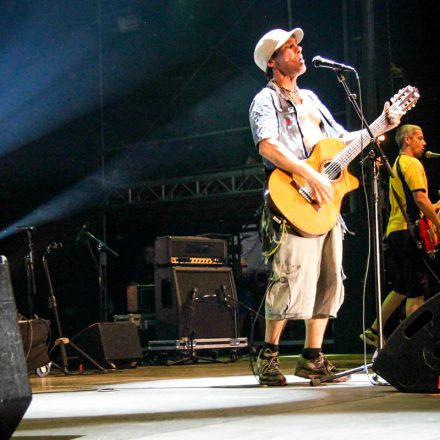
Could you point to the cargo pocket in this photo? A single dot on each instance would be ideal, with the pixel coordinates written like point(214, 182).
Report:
point(283, 293)
point(295, 279)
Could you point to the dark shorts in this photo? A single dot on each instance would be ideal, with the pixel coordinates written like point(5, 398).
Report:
point(411, 278)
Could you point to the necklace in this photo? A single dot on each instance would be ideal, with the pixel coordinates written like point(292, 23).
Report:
point(289, 92)
point(293, 95)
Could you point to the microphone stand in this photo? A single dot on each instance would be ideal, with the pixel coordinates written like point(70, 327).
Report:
point(62, 341)
point(102, 249)
point(376, 232)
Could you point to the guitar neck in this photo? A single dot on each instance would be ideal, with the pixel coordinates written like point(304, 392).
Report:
point(344, 157)
point(402, 101)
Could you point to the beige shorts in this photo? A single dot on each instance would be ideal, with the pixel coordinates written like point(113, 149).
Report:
point(307, 277)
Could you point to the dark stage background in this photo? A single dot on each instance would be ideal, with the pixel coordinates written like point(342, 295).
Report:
point(98, 96)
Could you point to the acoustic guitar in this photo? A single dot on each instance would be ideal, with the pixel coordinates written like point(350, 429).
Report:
point(294, 198)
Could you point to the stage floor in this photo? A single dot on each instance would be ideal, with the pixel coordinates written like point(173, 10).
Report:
point(222, 400)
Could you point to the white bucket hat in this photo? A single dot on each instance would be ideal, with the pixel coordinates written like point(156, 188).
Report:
point(272, 41)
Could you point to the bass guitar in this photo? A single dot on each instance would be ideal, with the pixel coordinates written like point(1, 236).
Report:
point(294, 198)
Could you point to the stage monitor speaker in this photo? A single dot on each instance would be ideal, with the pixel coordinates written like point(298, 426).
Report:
point(410, 360)
point(111, 344)
point(15, 391)
point(195, 302)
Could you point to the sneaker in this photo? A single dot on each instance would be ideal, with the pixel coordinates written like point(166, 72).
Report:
point(317, 369)
point(268, 369)
point(371, 338)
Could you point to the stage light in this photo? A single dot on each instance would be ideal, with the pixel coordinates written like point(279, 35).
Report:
point(83, 195)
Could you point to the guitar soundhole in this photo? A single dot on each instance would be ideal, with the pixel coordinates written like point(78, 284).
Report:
point(332, 170)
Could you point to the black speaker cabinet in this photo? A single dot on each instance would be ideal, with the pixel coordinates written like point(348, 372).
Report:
point(197, 302)
point(410, 360)
point(15, 392)
point(111, 344)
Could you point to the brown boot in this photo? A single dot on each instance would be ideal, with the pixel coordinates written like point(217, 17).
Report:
point(268, 369)
point(317, 368)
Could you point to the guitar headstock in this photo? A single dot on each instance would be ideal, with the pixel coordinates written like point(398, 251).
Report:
point(405, 99)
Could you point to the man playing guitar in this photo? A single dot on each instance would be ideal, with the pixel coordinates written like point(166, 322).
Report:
point(408, 190)
point(306, 282)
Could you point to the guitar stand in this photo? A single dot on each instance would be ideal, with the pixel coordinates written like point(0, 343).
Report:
point(62, 341)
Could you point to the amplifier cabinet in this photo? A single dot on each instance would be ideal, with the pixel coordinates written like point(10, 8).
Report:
point(171, 250)
point(195, 302)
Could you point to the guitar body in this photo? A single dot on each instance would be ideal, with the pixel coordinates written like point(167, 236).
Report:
point(427, 235)
point(294, 199)
point(308, 218)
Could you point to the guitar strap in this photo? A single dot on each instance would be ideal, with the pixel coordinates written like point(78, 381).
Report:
point(287, 107)
point(412, 210)
point(411, 224)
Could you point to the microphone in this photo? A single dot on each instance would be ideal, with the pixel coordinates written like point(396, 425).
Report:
point(225, 296)
point(26, 228)
point(322, 62)
point(82, 231)
point(431, 155)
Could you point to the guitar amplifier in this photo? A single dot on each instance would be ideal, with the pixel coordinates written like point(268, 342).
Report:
point(171, 250)
point(195, 301)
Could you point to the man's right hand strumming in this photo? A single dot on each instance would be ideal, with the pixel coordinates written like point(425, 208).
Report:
point(277, 153)
point(321, 185)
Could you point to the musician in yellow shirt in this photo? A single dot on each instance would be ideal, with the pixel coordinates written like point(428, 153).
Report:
point(410, 187)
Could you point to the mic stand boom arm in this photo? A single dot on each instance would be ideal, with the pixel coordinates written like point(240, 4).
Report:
point(101, 245)
point(102, 281)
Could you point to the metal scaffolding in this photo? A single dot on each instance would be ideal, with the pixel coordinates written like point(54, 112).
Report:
point(246, 180)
